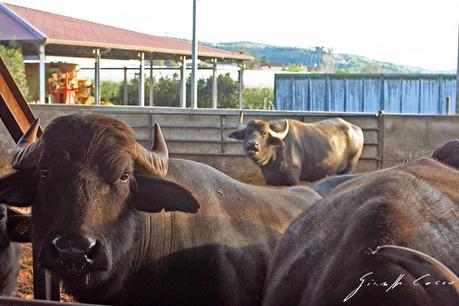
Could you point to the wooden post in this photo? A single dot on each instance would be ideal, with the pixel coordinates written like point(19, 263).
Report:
point(14, 110)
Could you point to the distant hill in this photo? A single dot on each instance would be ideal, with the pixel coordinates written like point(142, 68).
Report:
point(316, 59)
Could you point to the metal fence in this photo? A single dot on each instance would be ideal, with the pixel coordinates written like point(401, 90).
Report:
point(393, 93)
point(7, 301)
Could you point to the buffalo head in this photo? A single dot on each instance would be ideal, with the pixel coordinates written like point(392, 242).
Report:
point(261, 141)
point(448, 153)
point(87, 179)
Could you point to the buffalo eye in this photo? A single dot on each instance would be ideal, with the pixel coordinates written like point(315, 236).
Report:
point(124, 177)
point(44, 173)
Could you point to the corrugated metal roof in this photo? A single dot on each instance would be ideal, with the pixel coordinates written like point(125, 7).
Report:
point(23, 23)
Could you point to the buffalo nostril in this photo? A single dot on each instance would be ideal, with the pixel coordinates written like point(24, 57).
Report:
point(92, 252)
point(253, 146)
point(74, 251)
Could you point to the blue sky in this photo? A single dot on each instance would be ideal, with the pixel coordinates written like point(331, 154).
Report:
point(421, 33)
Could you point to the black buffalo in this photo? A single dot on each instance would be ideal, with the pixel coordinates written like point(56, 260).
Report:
point(384, 238)
point(289, 150)
point(119, 224)
point(448, 153)
point(14, 227)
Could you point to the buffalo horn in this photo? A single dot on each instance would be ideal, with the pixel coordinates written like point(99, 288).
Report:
point(282, 134)
point(27, 150)
point(155, 161)
point(417, 263)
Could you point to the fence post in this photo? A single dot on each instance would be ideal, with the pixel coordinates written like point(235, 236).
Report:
point(151, 130)
point(45, 286)
point(222, 133)
point(380, 138)
point(448, 106)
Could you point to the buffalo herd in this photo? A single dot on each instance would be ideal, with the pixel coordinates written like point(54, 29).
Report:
point(119, 224)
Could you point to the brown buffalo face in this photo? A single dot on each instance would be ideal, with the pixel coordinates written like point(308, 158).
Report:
point(260, 140)
point(89, 181)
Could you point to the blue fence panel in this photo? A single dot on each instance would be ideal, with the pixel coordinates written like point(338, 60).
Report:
point(411, 94)
point(417, 94)
point(393, 97)
point(371, 95)
point(337, 96)
point(317, 92)
point(429, 97)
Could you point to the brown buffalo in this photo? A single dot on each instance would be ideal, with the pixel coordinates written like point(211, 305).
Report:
point(289, 150)
point(384, 238)
point(448, 153)
point(119, 224)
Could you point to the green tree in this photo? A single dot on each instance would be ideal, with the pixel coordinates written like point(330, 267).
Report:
point(15, 62)
point(258, 98)
point(372, 68)
point(296, 68)
point(166, 91)
point(112, 92)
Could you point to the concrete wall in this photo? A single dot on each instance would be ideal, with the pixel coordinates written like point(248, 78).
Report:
point(411, 137)
point(202, 135)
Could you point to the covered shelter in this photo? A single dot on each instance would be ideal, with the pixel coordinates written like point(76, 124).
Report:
point(42, 33)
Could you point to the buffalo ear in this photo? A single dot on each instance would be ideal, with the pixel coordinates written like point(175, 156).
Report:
point(239, 134)
point(18, 188)
point(154, 194)
point(19, 227)
point(274, 141)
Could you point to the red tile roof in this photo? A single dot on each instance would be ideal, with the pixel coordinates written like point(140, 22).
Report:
point(63, 30)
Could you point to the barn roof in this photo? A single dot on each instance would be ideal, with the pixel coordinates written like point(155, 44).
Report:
point(67, 36)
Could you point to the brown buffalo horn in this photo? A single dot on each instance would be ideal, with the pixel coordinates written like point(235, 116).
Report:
point(282, 134)
point(241, 118)
point(419, 263)
point(27, 150)
point(155, 161)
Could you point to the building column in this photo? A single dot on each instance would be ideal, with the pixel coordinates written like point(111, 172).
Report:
point(183, 83)
point(97, 77)
point(241, 85)
point(41, 78)
point(150, 96)
point(125, 87)
point(214, 84)
point(142, 80)
point(194, 64)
